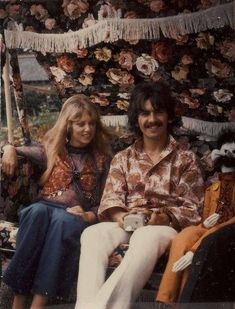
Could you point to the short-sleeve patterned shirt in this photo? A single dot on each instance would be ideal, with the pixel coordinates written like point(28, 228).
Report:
point(173, 185)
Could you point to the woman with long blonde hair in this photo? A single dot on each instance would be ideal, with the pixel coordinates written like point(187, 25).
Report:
point(75, 160)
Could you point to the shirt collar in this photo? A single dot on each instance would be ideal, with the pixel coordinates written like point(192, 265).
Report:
point(171, 146)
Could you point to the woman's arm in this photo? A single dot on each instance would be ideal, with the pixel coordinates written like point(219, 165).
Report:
point(35, 153)
point(9, 160)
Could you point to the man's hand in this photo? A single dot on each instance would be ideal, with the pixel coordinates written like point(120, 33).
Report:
point(158, 219)
point(87, 216)
point(146, 212)
point(9, 160)
point(117, 215)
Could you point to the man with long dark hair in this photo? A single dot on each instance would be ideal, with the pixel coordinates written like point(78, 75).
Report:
point(156, 177)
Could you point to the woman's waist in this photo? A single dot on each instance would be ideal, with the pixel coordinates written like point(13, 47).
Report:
point(68, 197)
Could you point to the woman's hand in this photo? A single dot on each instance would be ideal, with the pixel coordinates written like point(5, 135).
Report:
point(9, 160)
point(87, 216)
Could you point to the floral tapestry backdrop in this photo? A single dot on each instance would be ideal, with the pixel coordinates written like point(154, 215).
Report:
point(198, 68)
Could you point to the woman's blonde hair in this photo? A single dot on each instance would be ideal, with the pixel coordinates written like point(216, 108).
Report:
point(57, 137)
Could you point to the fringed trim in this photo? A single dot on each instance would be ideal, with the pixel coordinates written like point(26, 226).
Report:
point(206, 127)
point(111, 30)
point(115, 121)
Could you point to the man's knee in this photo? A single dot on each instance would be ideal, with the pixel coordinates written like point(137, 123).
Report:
point(96, 234)
point(89, 235)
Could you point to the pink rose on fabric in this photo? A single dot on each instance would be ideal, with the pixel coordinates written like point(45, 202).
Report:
point(146, 64)
point(222, 95)
point(227, 49)
point(122, 104)
point(180, 39)
point(99, 99)
point(219, 68)
point(186, 59)
point(157, 6)
point(103, 54)
point(68, 82)
point(109, 11)
point(180, 72)
point(85, 79)
point(89, 69)
point(74, 8)
point(66, 63)
point(117, 76)
point(161, 51)
point(197, 91)
point(50, 23)
point(156, 76)
point(192, 103)
point(205, 40)
point(126, 60)
point(58, 73)
point(39, 12)
point(81, 53)
point(214, 110)
point(13, 10)
point(127, 79)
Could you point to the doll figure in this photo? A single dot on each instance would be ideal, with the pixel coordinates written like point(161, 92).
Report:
point(219, 210)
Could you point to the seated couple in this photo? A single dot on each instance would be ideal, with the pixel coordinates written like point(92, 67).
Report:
point(155, 176)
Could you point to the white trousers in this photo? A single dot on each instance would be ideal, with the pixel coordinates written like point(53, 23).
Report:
point(146, 245)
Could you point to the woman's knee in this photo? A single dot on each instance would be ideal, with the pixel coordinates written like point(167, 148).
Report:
point(36, 210)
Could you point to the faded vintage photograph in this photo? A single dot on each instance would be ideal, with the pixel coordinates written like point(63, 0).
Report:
point(117, 154)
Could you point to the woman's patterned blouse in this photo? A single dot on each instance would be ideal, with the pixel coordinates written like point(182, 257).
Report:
point(59, 187)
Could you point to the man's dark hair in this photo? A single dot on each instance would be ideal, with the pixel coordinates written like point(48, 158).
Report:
point(159, 96)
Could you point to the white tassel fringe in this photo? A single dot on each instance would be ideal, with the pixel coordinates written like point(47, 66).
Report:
point(207, 128)
point(111, 30)
point(115, 121)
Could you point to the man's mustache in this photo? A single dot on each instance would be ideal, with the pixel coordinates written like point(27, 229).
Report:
point(153, 124)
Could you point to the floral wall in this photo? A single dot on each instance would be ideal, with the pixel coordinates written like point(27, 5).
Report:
point(198, 68)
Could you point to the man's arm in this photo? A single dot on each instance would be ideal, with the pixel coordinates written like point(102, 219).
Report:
point(185, 207)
